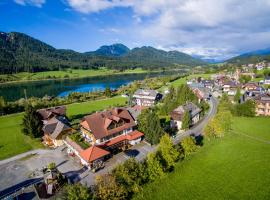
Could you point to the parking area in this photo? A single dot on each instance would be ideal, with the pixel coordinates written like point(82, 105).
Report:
point(25, 171)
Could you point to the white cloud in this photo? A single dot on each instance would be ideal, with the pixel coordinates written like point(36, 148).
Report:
point(211, 28)
point(37, 3)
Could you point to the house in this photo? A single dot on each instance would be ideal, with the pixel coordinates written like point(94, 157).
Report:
point(178, 114)
point(250, 86)
point(112, 129)
point(55, 129)
point(48, 113)
point(144, 97)
point(230, 87)
point(267, 81)
point(135, 111)
point(199, 94)
point(208, 84)
point(93, 157)
point(262, 105)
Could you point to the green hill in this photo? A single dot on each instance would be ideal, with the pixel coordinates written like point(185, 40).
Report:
point(20, 52)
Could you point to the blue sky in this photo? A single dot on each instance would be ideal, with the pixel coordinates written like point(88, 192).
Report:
point(210, 28)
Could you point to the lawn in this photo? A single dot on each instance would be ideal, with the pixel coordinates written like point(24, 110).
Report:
point(13, 142)
point(235, 167)
point(78, 109)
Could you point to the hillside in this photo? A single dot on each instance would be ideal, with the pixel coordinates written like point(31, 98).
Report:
point(251, 57)
point(20, 52)
point(111, 50)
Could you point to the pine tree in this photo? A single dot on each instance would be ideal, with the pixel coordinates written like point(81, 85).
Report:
point(237, 96)
point(32, 124)
point(149, 124)
point(108, 92)
point(186, 121)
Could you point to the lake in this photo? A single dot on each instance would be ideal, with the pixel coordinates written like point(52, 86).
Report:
point(15, 91)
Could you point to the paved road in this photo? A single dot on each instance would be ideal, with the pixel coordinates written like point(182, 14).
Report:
point(16, 172)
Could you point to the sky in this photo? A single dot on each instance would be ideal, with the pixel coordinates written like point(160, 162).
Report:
point(212, 29)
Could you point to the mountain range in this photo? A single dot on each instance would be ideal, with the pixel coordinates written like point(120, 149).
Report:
point(251, 57)
point(20, 52)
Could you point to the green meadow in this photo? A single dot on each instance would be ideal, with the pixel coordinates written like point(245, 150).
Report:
point(234, 167)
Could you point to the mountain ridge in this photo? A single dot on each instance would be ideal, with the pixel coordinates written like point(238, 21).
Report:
point(21, 52)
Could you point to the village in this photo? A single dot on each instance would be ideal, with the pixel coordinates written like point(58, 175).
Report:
point(105, 138)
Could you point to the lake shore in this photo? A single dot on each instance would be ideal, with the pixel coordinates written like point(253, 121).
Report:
point(39, 76)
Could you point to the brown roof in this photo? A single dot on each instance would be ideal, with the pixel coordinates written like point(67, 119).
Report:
point(263, 98)
point(130, 136)
point(55, 126)
point(54, 111)
point(178, 113)
point(93, 153)
point(98, 123)
point(198, 93)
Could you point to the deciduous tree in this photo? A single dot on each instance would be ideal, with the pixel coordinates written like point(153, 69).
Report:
point(167, 152)
point(78, 192)
point(154, 167)
point(108, 188)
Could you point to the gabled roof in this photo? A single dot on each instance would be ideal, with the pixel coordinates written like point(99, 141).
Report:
point(130, 136)
point(146, 93)
point(98, 123)
point(178, 113)
point(55, 126)
point(93, 153)
point(54, 111)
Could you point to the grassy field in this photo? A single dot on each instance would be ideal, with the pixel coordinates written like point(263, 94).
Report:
point(235, 167)
point(13, 142)
point(74, 73)
point(80, 109)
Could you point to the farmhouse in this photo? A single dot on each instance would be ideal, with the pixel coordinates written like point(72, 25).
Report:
point(55, 129)
point(111, 128)
point(102, 134)
point(178, 114)
point(145, 97)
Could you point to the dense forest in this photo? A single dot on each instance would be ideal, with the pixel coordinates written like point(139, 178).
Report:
point(22, 53)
